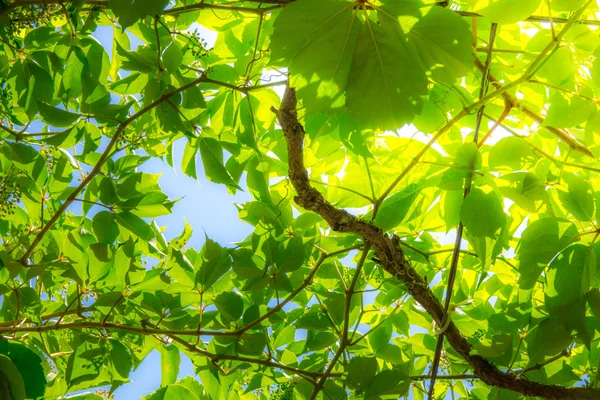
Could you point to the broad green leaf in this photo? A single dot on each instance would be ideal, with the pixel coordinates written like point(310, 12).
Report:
point(74, 70)
point(12, 384)
point(361, 370)
point(169, 360)
point(180, 268)
point(55, 116)
point(105, 227)
point(440, 39)
point(290, 256)
point(566, 5)
point(251, 344)
point(135, 225)
point(84, 364)
point(509, 11)
point(320, 340)
point(390, 382)
point(393, 84)
point(547, 339)
point(212, 263)
point(372, 65)
point(567, 113)
point(230, 305)
point(314, 320)
point(29, 365)
point(394, 209)
point(593, 298)
point(578, 200)
point(286, 336)
point(569, 277)
point(172, 57)
point(121, 358)
point(540, 243)
point(511, 152)
point(380, 336)
point(212, 159)
point(188, 161)
point(129, 13)
point(174, 391)
point(482, 213)
point(132, 84)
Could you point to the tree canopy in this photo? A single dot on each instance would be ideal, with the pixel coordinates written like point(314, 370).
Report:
point(424, 183)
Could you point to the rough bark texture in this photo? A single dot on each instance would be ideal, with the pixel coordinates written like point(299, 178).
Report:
point(393, 260)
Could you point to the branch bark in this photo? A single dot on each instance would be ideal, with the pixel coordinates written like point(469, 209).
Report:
point(393, 260)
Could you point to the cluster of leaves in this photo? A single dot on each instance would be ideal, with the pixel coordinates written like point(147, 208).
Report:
point(90, 285)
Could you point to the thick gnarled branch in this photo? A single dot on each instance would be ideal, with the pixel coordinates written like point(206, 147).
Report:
point(393, 260)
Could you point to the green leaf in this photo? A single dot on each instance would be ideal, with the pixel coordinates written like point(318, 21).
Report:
point(320, 340)
point(188, 161)
point(389, 382)
point(286, 336)
point(482, 213)
point(567, 113)
point(393, 85)
point(175, 391)
point(212, 159)
point(172, 57)
point(468, 156)
point(74, 70)
point(593, 298)
point(314, 320)
point(212, 263)
point(55, 116)
point(361, 371)
point(566, 5)
point(579, 200)
point(547, 339)
point(291, 256)
point(570, 276)
point(230, 305)
point(394, 209)
point(452, 205)
point(245, 127)
point(121, 358)
point(12, 384)
point(540, 243)
point(84, 364)
point(152, 204)
point(129, 12)
point(135, 225)
point(511, 152)
point(509, 11)
point(12, 265)
point(29, 365)
point(105, 227)
point(169, 361)
point(251, 344)
point(370, 65)
point(441, 40)
point(180, 268)
point(131, 84)
point(380, 336)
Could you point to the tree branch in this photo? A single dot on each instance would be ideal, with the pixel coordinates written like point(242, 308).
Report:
point(393, 260)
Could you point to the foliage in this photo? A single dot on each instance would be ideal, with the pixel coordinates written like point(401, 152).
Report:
point(413, 134)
